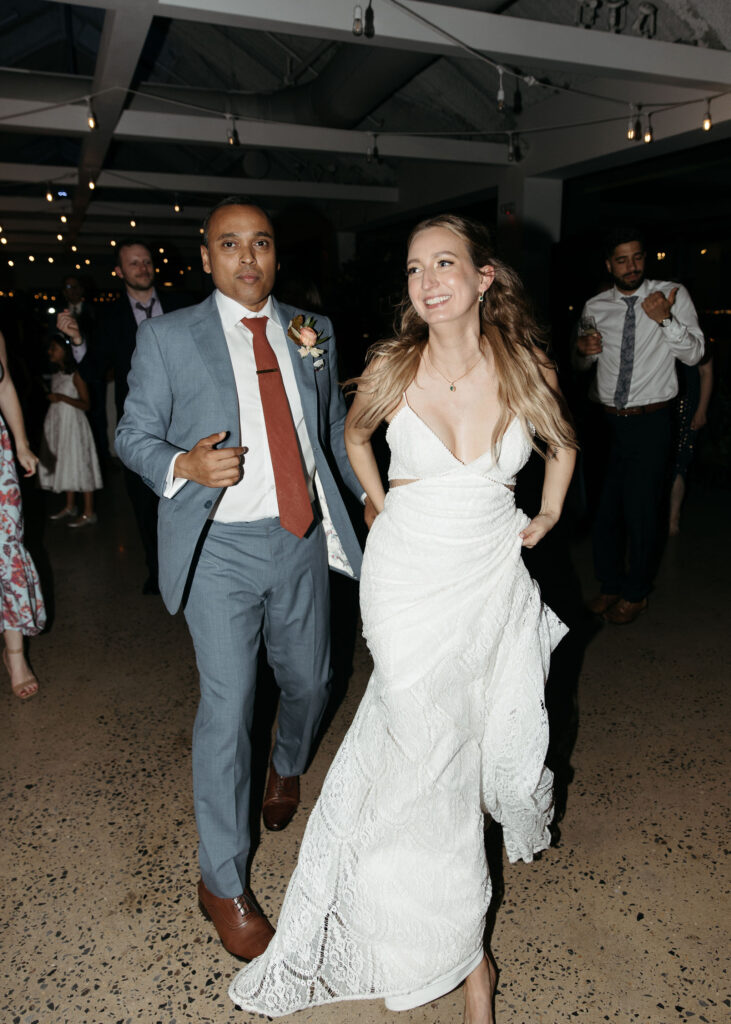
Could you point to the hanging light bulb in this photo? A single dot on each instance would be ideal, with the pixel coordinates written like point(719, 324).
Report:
point(500, 90)
point(369, 29)
point(357, 20)
point(177, 208)
point(92, 185)
point(372, 154)
point(64, 218)
point(49, 195)
point(60, 238)
point(511, 148)
point(233, 135)
point(90, 119)
point(647, 137)
point(632, 124)
point(132, 222)
point(707, 122)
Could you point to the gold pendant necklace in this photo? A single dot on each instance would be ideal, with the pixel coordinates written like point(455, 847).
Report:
point(452, 383)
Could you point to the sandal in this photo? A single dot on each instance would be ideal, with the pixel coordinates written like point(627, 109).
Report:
point(27, 687)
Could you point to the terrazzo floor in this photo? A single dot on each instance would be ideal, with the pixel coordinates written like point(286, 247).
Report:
point(623, 920)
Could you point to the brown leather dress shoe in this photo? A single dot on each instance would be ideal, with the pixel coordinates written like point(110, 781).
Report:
point(624, 612)
point(281, 799)
point(239, 921)
point(600, 604)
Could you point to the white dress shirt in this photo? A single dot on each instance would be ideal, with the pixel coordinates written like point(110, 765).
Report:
point(656, 348)
point(139, 314)
point(254, 496)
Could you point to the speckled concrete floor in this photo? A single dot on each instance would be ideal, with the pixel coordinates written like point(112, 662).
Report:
point(622, 921)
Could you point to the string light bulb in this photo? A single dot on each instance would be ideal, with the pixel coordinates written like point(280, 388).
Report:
point(177, 208)
point(707, 122)
point(233, 135)
point(64, 218)
point(357, 20)
point(372, 154)
point(90, 119)
point(633, 124)
point(500, 89)
point(92, 185)
point(132, 222)
point(49, 195)
point(369, 28)
point(647, 137)
point(59, 238)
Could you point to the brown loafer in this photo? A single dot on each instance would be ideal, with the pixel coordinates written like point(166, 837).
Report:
point(281, 799)
point(239, 921)
point(624, 612)
point(601, 603)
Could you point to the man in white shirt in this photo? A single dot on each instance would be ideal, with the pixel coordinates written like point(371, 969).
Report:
point(639, 329)
point(235, 418)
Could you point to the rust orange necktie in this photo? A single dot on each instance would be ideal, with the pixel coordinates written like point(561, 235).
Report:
point(295, 507)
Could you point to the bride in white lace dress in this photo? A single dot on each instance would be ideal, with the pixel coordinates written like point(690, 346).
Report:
point(391, 890)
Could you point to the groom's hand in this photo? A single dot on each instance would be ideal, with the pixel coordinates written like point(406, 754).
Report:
point(209, 466)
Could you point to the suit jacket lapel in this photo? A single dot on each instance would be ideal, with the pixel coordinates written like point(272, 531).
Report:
point(207, 333)
point(303, 370)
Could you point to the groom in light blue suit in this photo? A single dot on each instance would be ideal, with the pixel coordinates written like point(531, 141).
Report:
point(198, 430)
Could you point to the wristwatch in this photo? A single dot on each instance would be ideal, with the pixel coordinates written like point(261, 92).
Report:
point(666, 321)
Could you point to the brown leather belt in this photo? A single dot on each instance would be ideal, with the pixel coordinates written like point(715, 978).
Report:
point(637, 410)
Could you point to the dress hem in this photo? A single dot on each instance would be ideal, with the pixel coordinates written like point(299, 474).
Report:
point(436, 989)
point(402, 1001)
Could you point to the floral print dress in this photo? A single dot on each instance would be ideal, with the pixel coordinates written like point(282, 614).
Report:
point(21, 601)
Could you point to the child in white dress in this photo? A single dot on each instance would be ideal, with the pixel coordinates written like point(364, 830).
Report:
point(68, 459)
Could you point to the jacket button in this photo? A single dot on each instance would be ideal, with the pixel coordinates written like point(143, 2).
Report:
point(208, 504)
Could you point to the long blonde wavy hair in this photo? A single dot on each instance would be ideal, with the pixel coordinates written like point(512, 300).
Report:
point(507, 326)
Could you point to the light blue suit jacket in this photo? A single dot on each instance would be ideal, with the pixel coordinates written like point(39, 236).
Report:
point(182, 388)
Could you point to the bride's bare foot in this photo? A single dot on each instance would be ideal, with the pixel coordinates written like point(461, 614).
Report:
point(479, 993)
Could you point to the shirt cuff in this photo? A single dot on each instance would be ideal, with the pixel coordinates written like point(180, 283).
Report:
point(79, 351)
point(173, 483)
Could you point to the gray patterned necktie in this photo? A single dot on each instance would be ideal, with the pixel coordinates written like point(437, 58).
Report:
point(147, 310)
point(626, 354)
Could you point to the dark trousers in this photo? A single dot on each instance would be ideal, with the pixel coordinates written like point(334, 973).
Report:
point(629, 525)
point(252, 581)
point(144, 502)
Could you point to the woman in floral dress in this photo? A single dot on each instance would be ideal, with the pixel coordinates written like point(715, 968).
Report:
point(21, 602)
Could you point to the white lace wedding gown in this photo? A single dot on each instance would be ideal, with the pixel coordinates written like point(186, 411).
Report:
point(391, 889)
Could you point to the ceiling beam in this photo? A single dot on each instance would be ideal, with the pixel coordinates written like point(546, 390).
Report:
point(123, 36)
point(165, 126)
point(170, 184)
point(503, 38)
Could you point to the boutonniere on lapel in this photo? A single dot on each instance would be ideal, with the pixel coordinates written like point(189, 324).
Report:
point(305, 335)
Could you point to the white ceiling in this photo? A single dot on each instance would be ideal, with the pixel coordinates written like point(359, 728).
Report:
point(311, 102)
